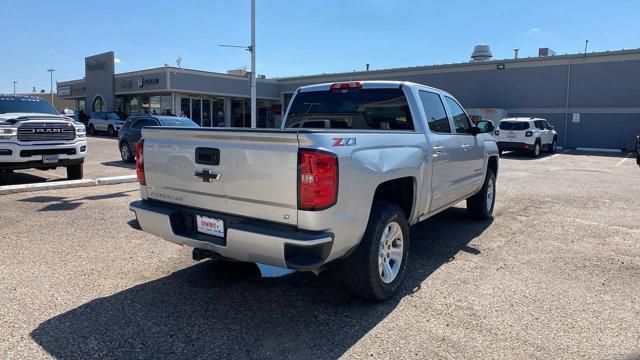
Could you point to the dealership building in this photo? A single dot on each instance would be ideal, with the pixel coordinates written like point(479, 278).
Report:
point(593, 99)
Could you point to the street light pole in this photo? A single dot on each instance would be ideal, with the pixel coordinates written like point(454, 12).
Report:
point(51, 70)
point(253, 66)
point(14, 87)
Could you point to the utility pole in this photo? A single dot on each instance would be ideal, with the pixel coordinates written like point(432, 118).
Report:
point(254, 111)
point(586, 43)
point(51, 70)
point(14, 87)
point(252, 49)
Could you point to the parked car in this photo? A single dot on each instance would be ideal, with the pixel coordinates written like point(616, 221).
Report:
point(131, 130)
point(106, 121)
point(34, 136)
point(304, 198)
point(526, 134)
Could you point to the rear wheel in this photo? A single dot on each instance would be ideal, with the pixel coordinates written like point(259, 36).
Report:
point(92, 130)
point(75, 172)
point(553, 146)
point(125, 152)
point(480, 205)
point(376, 268)
point(535, 152)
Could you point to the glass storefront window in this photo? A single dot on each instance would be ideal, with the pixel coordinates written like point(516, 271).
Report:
point(196, 108)
point(133, 106)
point(166, 105)
point(206, 112)
point(240, 113)
point(154, 105)
point(217, 110)
point(185, 107)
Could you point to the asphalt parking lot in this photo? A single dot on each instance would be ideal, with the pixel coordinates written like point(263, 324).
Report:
point(102, 160)
point(555, 274)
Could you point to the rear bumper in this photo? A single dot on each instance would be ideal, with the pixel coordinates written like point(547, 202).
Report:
point(246, 239)
point(507, 145)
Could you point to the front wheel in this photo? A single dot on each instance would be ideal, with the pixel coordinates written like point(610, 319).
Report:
point(92, 130)
point(480, 205)
point(376, 268)
point(75, 172)
point(553, 146)
point(111, 131)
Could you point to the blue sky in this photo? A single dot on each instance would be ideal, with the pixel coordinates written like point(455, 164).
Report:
point(296, 37)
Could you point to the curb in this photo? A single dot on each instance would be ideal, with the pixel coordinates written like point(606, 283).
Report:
point(67, 184)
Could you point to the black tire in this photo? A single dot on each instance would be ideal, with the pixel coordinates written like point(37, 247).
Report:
point(92, 130)
point(535, 151)
point(553, 145)
point(111, 131)
point(500, 152)
point(125, 153)
point(75, 172)
point(478, 205)
point(360, 271)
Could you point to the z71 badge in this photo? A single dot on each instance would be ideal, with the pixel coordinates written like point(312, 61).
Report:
point(344, 142)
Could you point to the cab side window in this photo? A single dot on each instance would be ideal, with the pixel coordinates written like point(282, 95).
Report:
point(538, 124)
point(435, 113)
point(461, 121)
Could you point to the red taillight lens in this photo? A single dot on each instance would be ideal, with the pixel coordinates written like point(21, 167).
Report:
point(497, 132)
point(317, 180)
point(140, 162)
point(346, 85)
point(528, 133)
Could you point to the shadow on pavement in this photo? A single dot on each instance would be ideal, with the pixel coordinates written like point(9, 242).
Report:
point(120, 164)
point(212, 310)
point(19, 177)
point(58, 203)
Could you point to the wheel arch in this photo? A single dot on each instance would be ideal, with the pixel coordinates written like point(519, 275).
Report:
point(400, 191)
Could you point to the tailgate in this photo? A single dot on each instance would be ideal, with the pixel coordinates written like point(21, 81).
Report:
point(239, 172)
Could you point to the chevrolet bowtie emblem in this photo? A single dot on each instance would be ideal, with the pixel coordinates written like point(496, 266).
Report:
point(207, 175)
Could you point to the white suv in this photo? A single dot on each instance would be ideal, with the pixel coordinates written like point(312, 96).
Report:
point(526, 134)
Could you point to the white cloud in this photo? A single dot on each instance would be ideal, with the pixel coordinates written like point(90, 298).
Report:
point(534, 30)
point(117, 61)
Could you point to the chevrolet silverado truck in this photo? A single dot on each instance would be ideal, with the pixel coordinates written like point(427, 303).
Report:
point(34, 136)
point(352, 166)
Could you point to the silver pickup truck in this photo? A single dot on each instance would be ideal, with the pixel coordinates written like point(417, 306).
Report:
point(353, 165)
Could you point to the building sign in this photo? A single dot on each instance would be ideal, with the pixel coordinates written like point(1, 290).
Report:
point(576, 117)
point(64, 90)
point(95, 65)
point(149, 81)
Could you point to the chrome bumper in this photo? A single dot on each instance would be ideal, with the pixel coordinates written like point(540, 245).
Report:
point(246, 239)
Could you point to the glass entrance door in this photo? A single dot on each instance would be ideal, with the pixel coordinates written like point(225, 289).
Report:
point(196, 111)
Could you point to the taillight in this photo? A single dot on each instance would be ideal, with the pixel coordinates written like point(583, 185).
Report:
point(317, 180)
point(346, 86)
point(140, 162)
point(497, 132)
point(529, 133)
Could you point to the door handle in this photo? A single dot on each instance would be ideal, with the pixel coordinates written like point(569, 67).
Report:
point(466, 147)
point(437, 150)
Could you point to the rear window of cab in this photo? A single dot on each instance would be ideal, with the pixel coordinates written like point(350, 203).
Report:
point(514, 125)
point(370, 109)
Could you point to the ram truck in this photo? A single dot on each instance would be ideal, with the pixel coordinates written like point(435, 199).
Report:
point(34, 136)
point(353, 165)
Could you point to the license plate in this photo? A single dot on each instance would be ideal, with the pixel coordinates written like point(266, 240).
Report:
point(511, 135)
point(210, 226)
point(47, 159)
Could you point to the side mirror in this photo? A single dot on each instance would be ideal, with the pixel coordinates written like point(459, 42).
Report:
point(483, 126)
point(552, 127)
point(69, 112)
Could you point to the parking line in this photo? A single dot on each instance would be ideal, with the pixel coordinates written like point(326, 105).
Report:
point(625, 159)
point(49, 172)
point(556, 154)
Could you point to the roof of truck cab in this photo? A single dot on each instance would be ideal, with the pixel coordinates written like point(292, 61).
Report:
point(367, 84)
